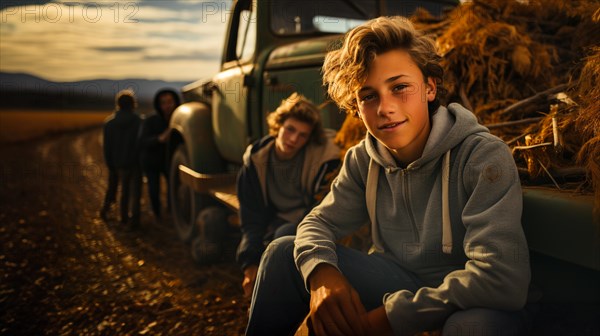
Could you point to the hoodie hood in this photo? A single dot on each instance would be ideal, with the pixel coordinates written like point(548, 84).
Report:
point(316, 156)
point(450, 126)
point(156, 102)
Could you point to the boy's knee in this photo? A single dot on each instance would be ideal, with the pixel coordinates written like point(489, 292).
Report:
point(482, 321)
point(287, 229)
point(280, 249)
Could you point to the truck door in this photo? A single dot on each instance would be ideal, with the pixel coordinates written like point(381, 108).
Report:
point(232, 85)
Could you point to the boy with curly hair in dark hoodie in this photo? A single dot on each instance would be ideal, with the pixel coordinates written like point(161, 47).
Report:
point(283, 175)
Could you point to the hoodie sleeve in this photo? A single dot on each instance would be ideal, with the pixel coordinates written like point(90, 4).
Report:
point(149, 132)
point(341, 212)
point(254, 217)
point(496, 274)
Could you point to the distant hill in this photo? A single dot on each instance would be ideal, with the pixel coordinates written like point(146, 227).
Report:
point(20, 90)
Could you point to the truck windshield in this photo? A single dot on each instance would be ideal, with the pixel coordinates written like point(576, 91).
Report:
point(291, 17)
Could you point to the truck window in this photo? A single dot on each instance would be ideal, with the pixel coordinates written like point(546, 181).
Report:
point(246, 34)
point(332, 24)
point(292, 17)
point(407, 8)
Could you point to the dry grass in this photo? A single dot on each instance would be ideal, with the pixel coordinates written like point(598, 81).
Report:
point(587, 121)
point(510, 61)
point(500, 52)
point(352, 132)
point(20, 125)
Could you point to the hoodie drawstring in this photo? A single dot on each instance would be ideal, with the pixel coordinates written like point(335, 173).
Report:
point(371, 197)
point(446, 223)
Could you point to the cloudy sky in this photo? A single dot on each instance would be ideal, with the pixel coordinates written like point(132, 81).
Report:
point(173, 40)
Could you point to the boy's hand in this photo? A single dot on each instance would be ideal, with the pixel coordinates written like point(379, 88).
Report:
point(335, 307)
point(250, 273)
point(378, 322)
point(164, 136)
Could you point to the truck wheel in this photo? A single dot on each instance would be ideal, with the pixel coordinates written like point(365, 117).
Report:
point(205, 252)
point(207, 247)
point(185, 202)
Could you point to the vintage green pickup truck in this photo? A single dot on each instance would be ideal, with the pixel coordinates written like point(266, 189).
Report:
point(273, 48)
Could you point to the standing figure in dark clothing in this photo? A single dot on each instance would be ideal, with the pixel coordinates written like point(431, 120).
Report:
point(121, 153)
point(155, 133)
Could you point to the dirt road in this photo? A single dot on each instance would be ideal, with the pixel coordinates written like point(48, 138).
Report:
point(65, 272)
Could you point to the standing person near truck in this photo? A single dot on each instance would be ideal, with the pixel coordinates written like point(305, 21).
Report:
point(121, 154)
point(281, 177)
point(154, 136)
point(441, 193)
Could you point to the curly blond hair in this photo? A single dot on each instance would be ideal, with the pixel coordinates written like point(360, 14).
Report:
point(346, 69)
point(300, 108)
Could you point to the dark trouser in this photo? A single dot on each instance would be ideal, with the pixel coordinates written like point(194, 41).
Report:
point(153, 176)
point(280, 300)
point(111, 191)
point(130, 193)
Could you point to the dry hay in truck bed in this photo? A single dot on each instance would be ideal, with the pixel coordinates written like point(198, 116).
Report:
point(528, 71)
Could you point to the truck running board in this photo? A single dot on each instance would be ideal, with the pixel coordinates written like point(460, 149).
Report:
point(222, 187)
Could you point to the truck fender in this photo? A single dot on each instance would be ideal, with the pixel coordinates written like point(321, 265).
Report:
point(191, 124)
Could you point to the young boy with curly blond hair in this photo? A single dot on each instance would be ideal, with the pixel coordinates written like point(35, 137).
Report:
point(442, 196)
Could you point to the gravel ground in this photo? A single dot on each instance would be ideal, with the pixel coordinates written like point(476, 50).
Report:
point(65, 272)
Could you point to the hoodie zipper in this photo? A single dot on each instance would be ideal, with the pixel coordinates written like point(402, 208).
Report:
point(407, 203)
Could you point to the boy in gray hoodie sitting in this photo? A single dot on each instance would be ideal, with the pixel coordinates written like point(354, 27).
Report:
point(442, 196)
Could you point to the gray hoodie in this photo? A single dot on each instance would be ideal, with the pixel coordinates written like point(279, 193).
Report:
point(452, 217)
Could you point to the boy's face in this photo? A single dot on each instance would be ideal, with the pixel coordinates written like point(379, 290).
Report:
point(291, 138)
point(167, 104)
point(393, 104)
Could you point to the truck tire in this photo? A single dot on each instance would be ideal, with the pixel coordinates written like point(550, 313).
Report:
point(207, 247)
point(205, 252)
point(185, 202)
